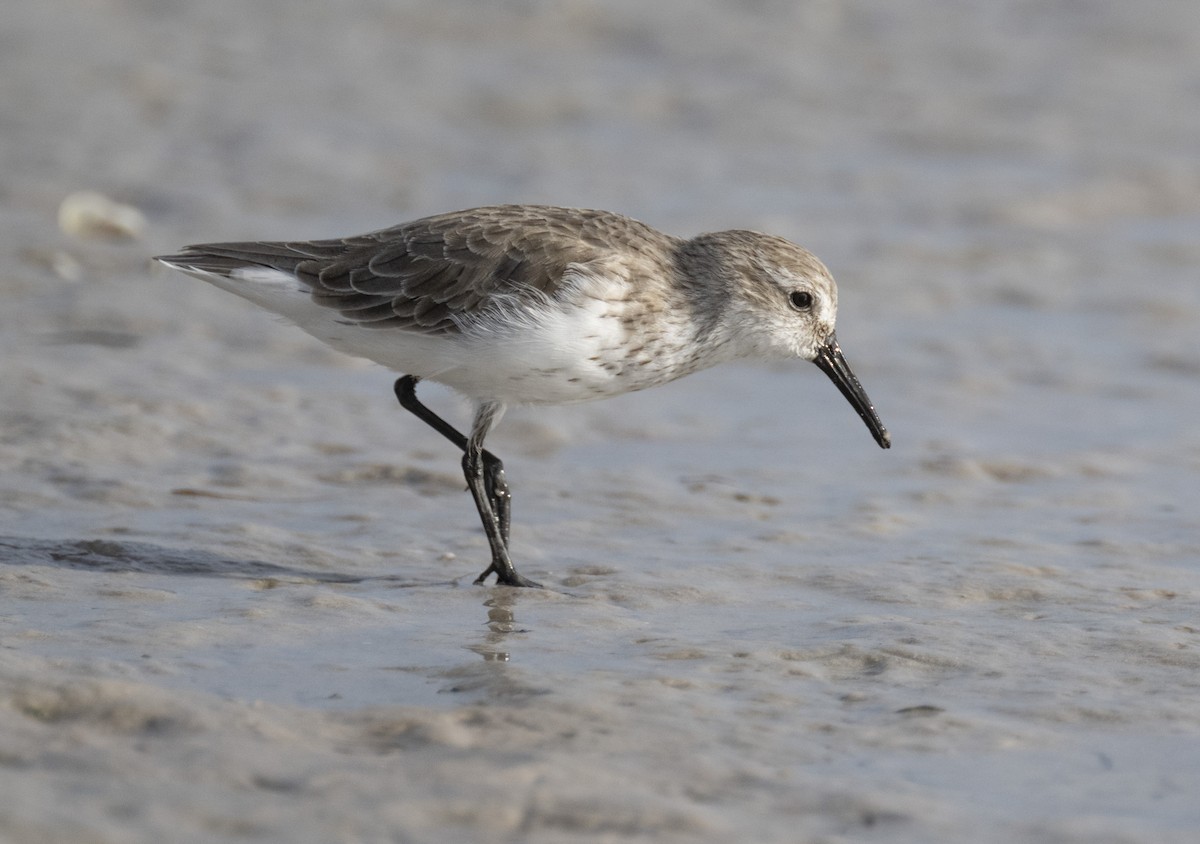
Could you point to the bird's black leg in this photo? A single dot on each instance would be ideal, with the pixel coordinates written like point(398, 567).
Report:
point(493, 468)
point(473, 470)
point(484, 472)
point(406, 393)
point(498, 492)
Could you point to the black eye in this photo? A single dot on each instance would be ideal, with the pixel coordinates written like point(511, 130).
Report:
point(801, 300)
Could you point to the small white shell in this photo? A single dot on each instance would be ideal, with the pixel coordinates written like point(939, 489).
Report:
point(93, 215)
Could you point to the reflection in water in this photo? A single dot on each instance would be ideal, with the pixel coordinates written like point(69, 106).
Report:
point(501, 621)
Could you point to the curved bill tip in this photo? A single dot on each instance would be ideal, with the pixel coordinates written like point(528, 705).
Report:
point(833, 363)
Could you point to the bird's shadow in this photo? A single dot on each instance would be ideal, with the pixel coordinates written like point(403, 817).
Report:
point(108, 555)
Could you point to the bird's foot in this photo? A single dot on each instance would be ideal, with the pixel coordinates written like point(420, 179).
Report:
point(509, 578)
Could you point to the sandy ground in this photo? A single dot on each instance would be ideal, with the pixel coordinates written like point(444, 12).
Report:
point(235, 576)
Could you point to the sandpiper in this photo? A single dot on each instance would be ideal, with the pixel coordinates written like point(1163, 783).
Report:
point(531, 304)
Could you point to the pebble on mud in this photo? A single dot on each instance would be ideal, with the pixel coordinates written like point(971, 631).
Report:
point(92, 215)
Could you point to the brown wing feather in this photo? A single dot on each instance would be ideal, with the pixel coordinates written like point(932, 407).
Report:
point(428, 274)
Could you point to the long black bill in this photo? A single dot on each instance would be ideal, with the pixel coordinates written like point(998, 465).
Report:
point(833, 364)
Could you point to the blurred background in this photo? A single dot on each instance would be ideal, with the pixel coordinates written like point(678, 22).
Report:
point(838, 640)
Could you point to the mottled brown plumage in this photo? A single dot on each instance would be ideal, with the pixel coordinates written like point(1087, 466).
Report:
point(430, 274)
point(541, 305)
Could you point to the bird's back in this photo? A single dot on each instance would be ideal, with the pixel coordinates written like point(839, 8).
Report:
point(430, 274)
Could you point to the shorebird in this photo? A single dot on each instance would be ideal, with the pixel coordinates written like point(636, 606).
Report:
point(531, 304)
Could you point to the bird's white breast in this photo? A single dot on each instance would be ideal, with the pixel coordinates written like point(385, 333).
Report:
point(584, 343)
point(597, 336)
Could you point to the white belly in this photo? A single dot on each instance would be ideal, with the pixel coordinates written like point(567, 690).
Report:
point(589, 342)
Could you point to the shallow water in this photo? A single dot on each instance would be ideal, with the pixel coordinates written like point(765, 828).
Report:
point(236, 577)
